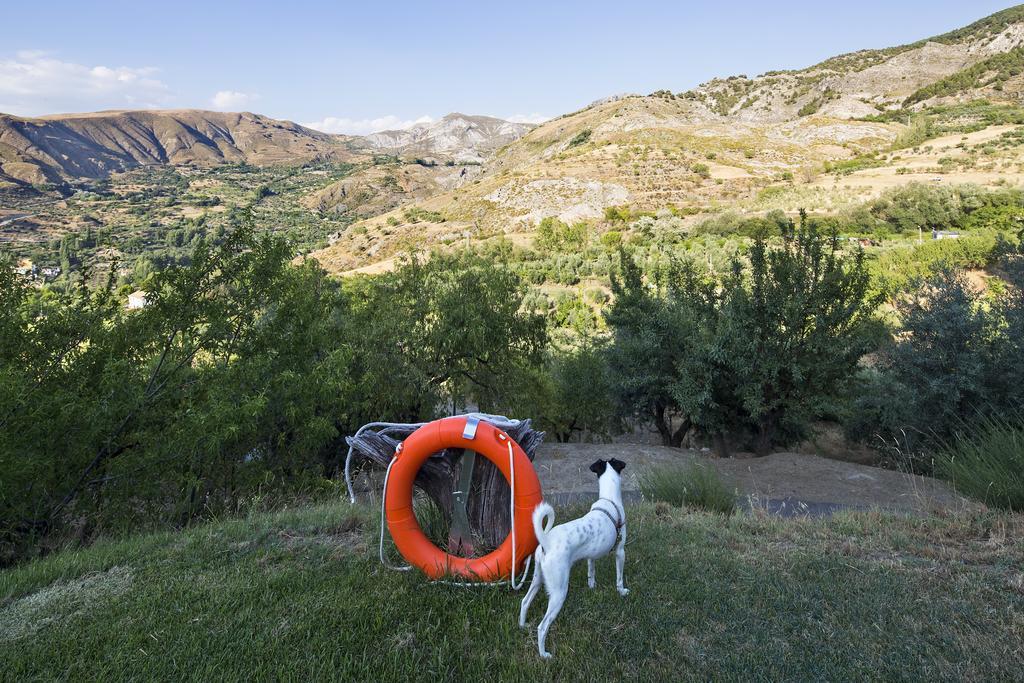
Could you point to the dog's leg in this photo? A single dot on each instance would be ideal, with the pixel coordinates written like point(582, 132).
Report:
point(534, 586)
point(557, 583)
point(591, 578)
point(620, 563)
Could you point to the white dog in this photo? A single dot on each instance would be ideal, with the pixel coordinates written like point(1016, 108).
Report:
point(591, 536)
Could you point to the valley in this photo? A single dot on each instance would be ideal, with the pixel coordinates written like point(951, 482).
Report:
point(139, 189)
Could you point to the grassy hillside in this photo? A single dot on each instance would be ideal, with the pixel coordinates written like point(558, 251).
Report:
point(299, 595)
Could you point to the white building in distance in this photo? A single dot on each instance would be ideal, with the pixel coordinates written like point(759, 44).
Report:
point(137, 300)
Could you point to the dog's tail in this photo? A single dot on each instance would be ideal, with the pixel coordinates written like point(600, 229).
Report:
point(542, 511)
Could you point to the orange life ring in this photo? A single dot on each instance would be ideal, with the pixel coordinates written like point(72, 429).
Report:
point(412, 543)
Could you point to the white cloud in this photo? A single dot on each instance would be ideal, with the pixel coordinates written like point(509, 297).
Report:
point(528, 118)
point(231, 100)
point(334, 124)
point(34, 82)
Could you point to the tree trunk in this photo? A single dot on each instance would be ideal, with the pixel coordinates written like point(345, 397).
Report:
point(661, 423)
point(680, 434)
point(721, 445)
point(765, 435)
point(488, 507)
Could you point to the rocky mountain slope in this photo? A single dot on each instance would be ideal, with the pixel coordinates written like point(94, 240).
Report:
point(864, 82)
point(420, 162)
point(376, 188)
point(727, 142)
point(813, 138)
point(57, 148)
point(52, 149)
point(458, 137)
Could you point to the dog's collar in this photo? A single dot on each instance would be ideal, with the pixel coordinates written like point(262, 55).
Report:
point(620, 522)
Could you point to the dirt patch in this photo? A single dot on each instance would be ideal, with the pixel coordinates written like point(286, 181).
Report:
point(567, 198)
point(728, 172)
point(563, 468)
point(61, 600)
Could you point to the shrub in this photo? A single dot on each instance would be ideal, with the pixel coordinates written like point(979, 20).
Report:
point(957, 359)
point(904, 269)
point(416, 214)
point(693, 485)
point(617, 214)
point(848, 166)
point(580, 138)
point(262, 192)
point(988, 463)
point(919, 206)
point(732, 223)
point(611, 239)
point(173, 411)
point(919, 129)
point(810, 108)
point(555, 235)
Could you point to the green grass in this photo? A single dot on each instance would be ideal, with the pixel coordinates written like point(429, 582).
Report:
point(692, 485)
point(299, 595)
point(988, 464)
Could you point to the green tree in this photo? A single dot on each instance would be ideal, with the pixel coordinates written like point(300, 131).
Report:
point(917, 206)
point(554, 235)
point(66, 252)
point(794, 329)
point(937, 375)
point(580, 397)
point(446, 331)
point(651, 336)
point(231, 377)
point(777, 341)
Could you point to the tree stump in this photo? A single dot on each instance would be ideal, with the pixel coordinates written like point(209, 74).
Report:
point(487, 508)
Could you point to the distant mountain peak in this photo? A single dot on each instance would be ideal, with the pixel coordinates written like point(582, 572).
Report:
point(457, 136)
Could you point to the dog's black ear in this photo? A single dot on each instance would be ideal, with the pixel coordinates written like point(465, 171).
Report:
point(598, 467)
point(617, 465)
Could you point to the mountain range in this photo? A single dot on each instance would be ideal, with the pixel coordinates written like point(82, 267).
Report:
point(63, 147)
point(461, 138)
point(724, 141)
point(53, 149)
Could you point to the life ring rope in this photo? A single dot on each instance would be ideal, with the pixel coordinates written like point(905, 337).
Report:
point(512, 519)
point(383, 522)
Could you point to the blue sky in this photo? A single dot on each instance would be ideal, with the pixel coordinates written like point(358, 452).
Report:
point(355, 67)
